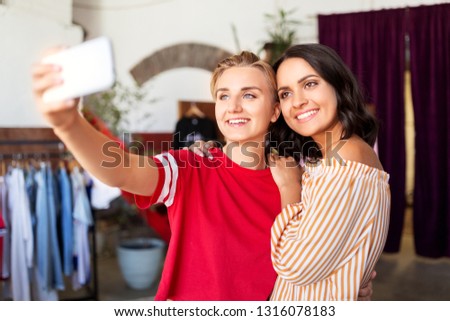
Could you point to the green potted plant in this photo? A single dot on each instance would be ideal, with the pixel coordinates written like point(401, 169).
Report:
point(282, 31)
point(113, 106)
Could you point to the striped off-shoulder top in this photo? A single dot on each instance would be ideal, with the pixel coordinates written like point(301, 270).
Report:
point(325, 247)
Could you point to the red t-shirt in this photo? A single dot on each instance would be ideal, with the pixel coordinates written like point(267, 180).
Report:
point(220, 215)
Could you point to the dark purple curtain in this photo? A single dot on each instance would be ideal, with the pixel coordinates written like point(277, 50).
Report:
point(429, 32)
point(373, 46)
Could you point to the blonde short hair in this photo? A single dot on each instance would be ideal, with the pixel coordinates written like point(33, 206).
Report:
point(245, 59)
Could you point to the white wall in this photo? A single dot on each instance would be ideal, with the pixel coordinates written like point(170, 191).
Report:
point(26, 28)
point(138, 28)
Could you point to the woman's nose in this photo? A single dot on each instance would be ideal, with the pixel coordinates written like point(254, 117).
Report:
point(234, 106)
point(299, 101)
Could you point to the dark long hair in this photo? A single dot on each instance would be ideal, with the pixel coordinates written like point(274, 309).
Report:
point(351, 107)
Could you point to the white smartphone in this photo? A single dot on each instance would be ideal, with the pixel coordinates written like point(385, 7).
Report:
point(87, 68)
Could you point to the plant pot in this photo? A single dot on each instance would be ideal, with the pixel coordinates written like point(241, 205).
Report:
point(140, 261)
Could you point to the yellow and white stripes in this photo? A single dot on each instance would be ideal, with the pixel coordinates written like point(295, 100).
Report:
point(325, 247)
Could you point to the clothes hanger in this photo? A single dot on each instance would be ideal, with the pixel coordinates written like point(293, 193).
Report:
point(194, 111)
point(62, 157)
point(3, 167)
point(16, 160)
point(35, 161)
point(72, 163)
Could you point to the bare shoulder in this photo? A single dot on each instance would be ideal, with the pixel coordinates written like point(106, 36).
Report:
point(357, 150)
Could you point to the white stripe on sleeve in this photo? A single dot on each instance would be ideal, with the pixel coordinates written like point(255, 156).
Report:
point(171, 176)
point(174, 167)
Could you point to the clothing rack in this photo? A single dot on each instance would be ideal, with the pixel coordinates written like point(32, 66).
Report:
point(20, 156)
point(42, 144)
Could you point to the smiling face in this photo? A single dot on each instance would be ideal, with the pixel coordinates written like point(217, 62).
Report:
point(308, 102)
point(245, 104)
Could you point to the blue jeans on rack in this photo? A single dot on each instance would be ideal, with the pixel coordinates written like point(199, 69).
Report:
point(58, 281)
point(48, 255)
point(65, 189)
point(43, 257)
point(30, 184)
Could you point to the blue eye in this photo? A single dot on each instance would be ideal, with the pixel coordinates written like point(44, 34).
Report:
point(249, 96)
point(224, 97)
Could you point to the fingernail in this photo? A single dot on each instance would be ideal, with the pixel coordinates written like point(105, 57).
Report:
point(210, 157)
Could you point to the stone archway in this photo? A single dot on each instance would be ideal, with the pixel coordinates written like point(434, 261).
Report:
point(181, 55)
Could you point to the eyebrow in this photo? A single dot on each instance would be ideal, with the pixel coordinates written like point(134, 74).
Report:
point(298, 81)
point(242, 89)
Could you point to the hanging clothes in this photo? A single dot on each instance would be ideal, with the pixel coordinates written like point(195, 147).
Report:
point(31, 187)
point(21, 235)
point(48, 254)
point(53, 201)
point(6, 240)
point(5, 234)
point(83, 219)
point(102, 195)
point(65, 189)
point(2, 234)
point(190, 129)
point(37, 226)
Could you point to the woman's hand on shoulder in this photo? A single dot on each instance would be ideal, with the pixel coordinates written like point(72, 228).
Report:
point(287, 174)
point(202, 148)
